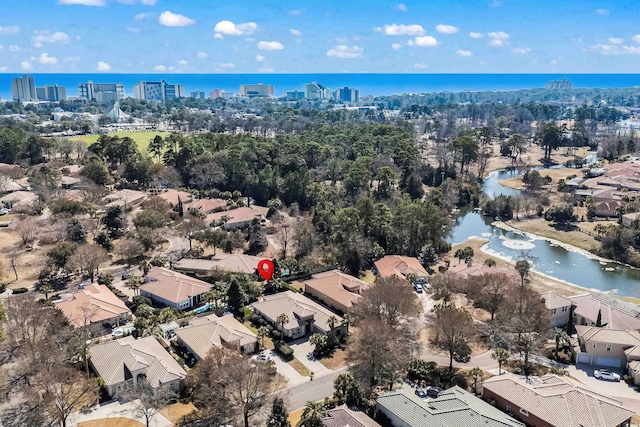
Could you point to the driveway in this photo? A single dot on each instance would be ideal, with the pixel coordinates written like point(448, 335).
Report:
point(302, 350)
point(291, 375)
point(584, 373)
point(116, 410)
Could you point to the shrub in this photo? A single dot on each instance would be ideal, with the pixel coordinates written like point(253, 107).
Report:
point(3, 287)
point(284, 350)
point(20, 290)
point(275, 334)
point(247, 312)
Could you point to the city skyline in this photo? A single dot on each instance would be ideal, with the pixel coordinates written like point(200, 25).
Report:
point(168, 36)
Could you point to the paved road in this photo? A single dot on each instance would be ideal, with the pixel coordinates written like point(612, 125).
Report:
point(313, 391)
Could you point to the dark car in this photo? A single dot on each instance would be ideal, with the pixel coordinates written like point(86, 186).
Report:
point(421, 393)
point(434, 392)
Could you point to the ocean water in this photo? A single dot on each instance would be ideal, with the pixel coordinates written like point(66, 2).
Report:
point(368, 84)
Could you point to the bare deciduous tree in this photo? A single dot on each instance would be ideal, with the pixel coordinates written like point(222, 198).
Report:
point(493, 291)
point(390, 300)
point(28, 229)
point(146, 401)
point(129, 249)
point(452, 328)
point(88, 258)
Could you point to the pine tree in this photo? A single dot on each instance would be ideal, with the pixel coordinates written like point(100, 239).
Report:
point(278, 417)
point(235, 296)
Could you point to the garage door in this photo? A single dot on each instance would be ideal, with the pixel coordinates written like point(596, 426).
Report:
point(607, 361)
point(584, 358)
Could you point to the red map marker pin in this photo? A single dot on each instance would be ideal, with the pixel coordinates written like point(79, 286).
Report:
point(265, 269)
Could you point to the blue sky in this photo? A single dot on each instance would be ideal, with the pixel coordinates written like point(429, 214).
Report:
point(329, 36)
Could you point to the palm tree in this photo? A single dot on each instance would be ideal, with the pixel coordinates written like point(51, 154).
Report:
point(134, 283)
point(262, 332)
point(501, 356)
point(282, 320)
point(314, 413)
point(559, 336)
point(477, 374)
point(331, 322)
point(145, 266)
point(346, 321)
point(341, 385)
point(46, 290)
point(319, 342)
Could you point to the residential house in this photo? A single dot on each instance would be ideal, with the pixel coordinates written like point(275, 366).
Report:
point(608, 208)
point(239, 217)
point(208, 206)
point(172, 197)
point(605, 347)
point(18, 199)
point(124, 198)
point(401, 267)
point(173, 289)
point(8, 185)
point(559, 308)
point(233, 263)
point(454, 407)
point(204, 333)
point(628, 219)
point(127, 362)
point(69, 182)
point(614, 313)
point(304, 315)
point(95, 305)
point(469, 270)
point(343, 416)
point(553, 401)
point(336, 289)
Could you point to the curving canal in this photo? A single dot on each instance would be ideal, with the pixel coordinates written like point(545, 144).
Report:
point(555, 261)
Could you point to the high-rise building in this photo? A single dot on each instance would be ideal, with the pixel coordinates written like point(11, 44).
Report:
point(198, 94)
point(315, 90)
point(347, 94)
point(50, 93)
point(23, 89)
point(157, 91)
point(259, 90)
point(219, 93)
point(294, 95)
point(101, 92)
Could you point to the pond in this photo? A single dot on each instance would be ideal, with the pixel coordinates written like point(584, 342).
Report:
point(576, 267)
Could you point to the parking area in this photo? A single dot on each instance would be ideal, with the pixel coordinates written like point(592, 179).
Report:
point(291, 375)
point(584, 373)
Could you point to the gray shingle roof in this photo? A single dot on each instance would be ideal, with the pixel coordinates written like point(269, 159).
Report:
point(454, 408)
point(204, 333)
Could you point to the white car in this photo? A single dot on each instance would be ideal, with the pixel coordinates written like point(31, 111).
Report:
point(603, 374)
point(261, 357)
point(418, 287)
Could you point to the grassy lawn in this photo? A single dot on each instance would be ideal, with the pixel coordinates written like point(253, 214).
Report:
point(298, 285)
point(544, 228)
point(141, 138)
point(298, 366)
point(294, 417)
point(337, 360)
point(175, 412)
point(368, 277)
point(111, 422)
point(268, 342)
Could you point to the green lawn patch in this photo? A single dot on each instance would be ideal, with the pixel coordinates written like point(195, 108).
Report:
point(141, 138)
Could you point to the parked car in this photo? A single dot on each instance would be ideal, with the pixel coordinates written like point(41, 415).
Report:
point(4, 211)
point(434, 392)
point(461, 358)
point(125, 274)
point(418, 287)
point(604, 374)
point(261, 357)
point(421, 393)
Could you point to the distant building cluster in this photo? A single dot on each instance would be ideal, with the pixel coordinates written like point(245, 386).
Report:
point(157, 91)
point(564, 84)
point(23, 89)
point(315, 91)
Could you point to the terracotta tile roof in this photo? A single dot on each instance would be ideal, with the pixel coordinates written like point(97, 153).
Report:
point(400, 266)
point(208, 205)
point(553, 300)
point(111, 358)
point(236, 263)
point(616, 314)
point(171, 196)
point(172, 286)
point(338, 286)
point(237, 215)
point(476, 270)
point(124, 197)
point(559, 401)
point(295, 306)
point(206, 332)
point(96, 300)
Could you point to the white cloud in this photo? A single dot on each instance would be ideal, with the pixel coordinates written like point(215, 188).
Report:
point(482, 62)
point(45, 59)
point(631, 50)
point(396, 46)
point(420, 66)
point(602, 11)
point(295, 32)
point(144, 2)
point(265, 70)
point(345, 52)
point(3, 69)
point(296, 12)
point(553, 62)
point(464, 53)
point(401, 30)
point(141, 16)
point(636, 38)
point(202, 55)
point(609, 49)
point(227, 65)
point(133, 30)
point(616, 40)
point(521, 50)
point(475, 35)
point(498, 38)
point(160, 68)
point(15, 48)
point(401, 7)
point(71, 59)
point(230, 29)
point(170, 19)
point(270, 45)
point(26, 65)
point(218, 36)
point(183, 62)
point(103, 66)
point(7, 31)
point(259, 58)
point(424, 41)
point(84, 2)
point(447, 29)
point(44, 36)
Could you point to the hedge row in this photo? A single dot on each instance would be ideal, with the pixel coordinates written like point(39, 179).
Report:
point(284, 350)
